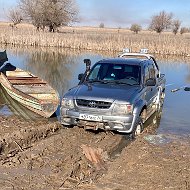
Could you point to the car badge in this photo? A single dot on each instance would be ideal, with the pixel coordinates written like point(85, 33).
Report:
point(92, 104)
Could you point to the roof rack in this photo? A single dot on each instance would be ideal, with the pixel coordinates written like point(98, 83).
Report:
point(143, 53)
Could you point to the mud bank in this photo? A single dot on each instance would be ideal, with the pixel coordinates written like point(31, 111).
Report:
point(17, 134)
point(49, 156)
point(145, 166)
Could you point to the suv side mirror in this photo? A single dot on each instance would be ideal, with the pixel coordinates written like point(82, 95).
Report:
point(88, 64)
point(80, 76)
point(150, 82)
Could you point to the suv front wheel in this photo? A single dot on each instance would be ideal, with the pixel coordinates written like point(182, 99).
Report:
point(138, 128)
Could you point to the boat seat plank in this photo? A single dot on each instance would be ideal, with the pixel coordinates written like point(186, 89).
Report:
point(46, 97)
point(34, 89)
point(18, 73)
point(21, 78)
point(20, 82)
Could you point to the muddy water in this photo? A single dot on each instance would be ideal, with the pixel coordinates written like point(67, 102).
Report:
point(61, 68)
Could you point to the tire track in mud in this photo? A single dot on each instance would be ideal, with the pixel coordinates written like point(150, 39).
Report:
point(124, 142)
point(150, 127)
point(18, 135)
point(51, 156)
point(46, 153)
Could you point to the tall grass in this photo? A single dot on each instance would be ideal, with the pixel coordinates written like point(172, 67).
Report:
point(97, 39)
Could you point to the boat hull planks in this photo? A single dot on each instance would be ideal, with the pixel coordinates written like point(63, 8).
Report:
point(30, 91)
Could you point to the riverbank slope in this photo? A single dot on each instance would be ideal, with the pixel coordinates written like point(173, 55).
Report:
point(44, 155)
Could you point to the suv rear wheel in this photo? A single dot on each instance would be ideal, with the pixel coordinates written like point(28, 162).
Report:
point(161, 101)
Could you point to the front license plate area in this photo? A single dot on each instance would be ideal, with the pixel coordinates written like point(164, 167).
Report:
point(90, 117)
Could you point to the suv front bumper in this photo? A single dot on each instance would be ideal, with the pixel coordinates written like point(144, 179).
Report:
point(124, 124)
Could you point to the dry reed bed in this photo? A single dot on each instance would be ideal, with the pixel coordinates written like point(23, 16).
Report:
point(97, 39)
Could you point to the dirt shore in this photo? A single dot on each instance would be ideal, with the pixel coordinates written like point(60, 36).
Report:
point(45, 155)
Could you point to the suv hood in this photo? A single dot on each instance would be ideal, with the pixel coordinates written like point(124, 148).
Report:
point(104, 92)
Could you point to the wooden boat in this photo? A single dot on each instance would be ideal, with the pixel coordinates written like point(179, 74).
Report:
point(16, 108)
point(31, 91)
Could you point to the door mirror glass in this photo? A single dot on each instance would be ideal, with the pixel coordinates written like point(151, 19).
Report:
point(80, 76)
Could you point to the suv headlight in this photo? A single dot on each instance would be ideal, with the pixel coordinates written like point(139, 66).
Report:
point(67, 103)
point(122, 109)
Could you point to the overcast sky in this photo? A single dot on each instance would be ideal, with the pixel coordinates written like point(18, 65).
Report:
point(120, 13)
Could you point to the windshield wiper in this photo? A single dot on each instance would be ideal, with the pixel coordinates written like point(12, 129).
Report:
point(121, 82)
point(100, 81)
point(111, 81)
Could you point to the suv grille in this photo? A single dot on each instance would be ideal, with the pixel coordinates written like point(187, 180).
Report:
point(93, 104)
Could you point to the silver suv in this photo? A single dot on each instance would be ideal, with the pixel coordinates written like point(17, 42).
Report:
point(115, 94)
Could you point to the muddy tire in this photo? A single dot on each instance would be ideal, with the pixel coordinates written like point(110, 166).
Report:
point(138, 128)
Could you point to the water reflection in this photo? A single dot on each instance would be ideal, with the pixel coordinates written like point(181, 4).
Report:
point(175, 119)
point(172, 59)
point(53, 67)
point(188, 76)
point(153, 123)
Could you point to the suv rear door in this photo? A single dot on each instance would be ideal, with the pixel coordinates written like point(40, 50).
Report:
point(151, 91)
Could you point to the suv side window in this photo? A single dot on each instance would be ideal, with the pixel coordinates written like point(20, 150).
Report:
point(152, 71)
point(155, 68)
point(147, 75)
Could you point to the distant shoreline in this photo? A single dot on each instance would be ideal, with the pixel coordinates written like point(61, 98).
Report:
point(98, 39)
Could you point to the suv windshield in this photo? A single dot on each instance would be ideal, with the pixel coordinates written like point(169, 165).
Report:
point(115, 73)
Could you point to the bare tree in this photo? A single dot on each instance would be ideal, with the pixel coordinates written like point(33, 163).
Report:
point(101, 25)
point(184, 30)
point(50, 13)
point(161, 21)
point(15, 16)
point(136, 28)
point(175, 26)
